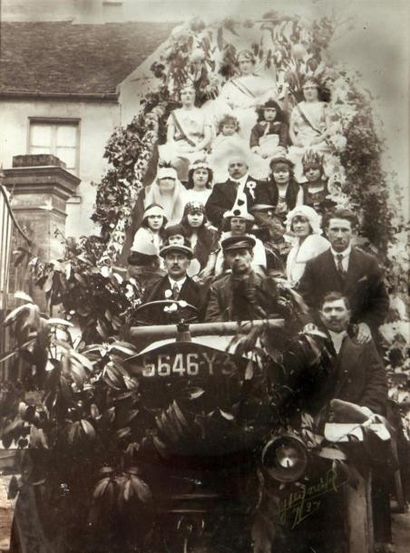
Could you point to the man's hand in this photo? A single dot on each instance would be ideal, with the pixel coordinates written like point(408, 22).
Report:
point(364, 334)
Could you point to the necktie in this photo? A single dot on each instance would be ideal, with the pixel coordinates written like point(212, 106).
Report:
point(339, 265)
point(175, 291)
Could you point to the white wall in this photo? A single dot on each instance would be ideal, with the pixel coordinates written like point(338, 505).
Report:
point(97, 122)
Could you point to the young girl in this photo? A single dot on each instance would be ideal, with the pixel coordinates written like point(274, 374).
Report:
point(200, 176)
point(269, 137)
point(227, 144)
point(152, 228)
point(281, 190)
point(315, 189)
point(203, 238)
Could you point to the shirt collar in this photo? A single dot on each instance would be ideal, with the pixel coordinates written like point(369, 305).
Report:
point(179, 282)
point(345, 253)
point(242, 180)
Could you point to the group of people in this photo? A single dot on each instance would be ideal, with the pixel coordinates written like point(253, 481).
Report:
point(210, 233)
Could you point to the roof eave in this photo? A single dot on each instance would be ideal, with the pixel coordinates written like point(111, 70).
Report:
point(111, 97)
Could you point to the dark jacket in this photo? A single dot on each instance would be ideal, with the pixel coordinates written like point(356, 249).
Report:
point(363, 286)
point(275, 127)
point(189, 291)
point(232, 299)
point(361, 376)
point(223, 197)
point(267, 193)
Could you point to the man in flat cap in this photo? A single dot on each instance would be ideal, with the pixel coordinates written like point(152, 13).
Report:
point(176, 284)
point(242, 294)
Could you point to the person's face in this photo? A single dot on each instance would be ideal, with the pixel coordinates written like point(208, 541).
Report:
point(310, 92)
point(167, 184)
point(301, 227)
point(245, 66)
point(239, 260)
point(237, 169)
point(313, 173)
point(196, 219)
point(155, 221)
point(200, 177)
point(187, 96)
point(176, 240)
point(176, 264)
point(228, 129)
point(281, 173)
point(339, 233)
point(335, 315)
point(269, 114)
point(238, 225)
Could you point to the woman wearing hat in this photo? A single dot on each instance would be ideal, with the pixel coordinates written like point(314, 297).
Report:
point(281, 189)
point(303, 224)
point(200, 177)
point(152, 228)
point(167, 192)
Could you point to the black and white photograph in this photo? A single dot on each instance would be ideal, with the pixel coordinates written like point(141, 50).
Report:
point(204, 276)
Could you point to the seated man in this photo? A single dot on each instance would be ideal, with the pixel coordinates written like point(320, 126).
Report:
point(242, 294)
point(238, 189)
point(176, 284)
point(360, 379)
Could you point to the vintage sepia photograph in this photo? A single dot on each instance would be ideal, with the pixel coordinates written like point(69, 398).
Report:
point(204, 276)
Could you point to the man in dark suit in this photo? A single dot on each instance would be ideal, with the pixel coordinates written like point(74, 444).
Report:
point(360, 374)
point(241, 294)
point(238, 189)
point(360, 379)
point(352, 272)
point(176, 285)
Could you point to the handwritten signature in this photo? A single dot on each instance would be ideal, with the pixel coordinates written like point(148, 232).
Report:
point(305, 501)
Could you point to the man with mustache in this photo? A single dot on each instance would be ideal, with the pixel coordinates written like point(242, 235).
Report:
point(241, 294)
point(350, 271)
point(176, 285)
point(239, 190)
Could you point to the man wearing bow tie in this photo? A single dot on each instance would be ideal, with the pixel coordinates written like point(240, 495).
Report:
point(239, 189)
point(348, 270)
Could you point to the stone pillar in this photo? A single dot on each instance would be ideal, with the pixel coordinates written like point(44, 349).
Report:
point(40, 187)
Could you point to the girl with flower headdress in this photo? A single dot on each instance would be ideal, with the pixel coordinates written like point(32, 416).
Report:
point(200, 178)
point(303, 224)
point(315, 189)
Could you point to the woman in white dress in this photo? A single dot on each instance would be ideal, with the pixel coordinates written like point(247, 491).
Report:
point(303, 225)
point(309, 124)
point(168, 192)
point(189, 133)
point(200, 179)
point(242, 94)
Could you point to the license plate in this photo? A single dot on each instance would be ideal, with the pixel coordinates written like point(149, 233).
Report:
point(198, 363)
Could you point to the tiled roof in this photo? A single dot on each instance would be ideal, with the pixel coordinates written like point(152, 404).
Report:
point(60, 58)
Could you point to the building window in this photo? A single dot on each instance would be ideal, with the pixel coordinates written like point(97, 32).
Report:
point(56, 137)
